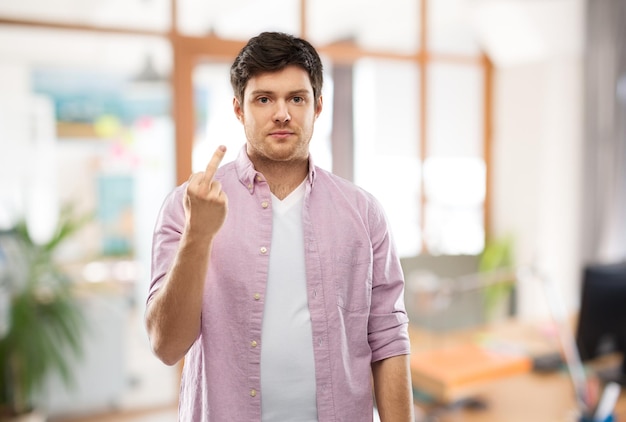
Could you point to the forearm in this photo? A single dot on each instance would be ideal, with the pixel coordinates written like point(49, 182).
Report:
point(392, 388)
point(173, 314)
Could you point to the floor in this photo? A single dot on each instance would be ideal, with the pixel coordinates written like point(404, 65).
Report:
point(165, 414)
point(156, 415)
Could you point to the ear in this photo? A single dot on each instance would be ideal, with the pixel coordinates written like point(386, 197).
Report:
point(238, 109)
point(318, 107)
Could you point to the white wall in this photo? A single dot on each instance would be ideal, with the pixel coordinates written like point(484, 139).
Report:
point(538, 130)
point(537, 172)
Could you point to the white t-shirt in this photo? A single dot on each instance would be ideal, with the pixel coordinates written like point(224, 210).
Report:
point(287, 364)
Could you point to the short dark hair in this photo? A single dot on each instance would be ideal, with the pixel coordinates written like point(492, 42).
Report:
point(271, 52)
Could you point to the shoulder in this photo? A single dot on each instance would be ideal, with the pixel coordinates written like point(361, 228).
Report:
point(346, 194)
point(336, 184)
point(172, 207)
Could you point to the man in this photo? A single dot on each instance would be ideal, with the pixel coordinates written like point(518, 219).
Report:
point(276, 280)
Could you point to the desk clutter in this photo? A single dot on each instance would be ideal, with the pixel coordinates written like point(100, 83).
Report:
point(483, 373)
point(503, 364)
point(450, 374)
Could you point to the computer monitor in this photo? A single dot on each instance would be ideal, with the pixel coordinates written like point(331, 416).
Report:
point(601, 327)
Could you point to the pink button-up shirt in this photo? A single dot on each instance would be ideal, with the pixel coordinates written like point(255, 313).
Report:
point(355, 293)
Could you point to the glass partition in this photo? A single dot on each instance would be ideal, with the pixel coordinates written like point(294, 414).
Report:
point(454, 170)
point(387, 158)
point(85, 121)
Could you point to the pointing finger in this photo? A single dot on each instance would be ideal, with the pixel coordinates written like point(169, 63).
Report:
point(214, 163)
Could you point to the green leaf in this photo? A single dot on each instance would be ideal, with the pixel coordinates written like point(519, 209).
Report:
point(47, 321)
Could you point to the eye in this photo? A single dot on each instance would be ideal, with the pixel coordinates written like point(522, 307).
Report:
point(298, 100)
point(264, 100)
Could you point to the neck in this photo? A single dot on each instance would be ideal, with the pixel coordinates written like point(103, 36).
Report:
point(282, 177)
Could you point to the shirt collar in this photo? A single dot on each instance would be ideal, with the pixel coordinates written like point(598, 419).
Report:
point(248, 175)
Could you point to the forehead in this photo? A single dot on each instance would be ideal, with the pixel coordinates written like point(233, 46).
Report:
point(289, 79)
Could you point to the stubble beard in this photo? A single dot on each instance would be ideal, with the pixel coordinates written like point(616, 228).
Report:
point(286, 151)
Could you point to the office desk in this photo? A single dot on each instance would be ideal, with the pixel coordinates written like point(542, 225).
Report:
point(523, 398)
point(526, 397)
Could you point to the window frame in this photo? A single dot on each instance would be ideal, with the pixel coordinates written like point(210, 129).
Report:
point(189, 50)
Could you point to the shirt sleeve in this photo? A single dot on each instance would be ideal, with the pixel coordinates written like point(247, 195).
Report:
point(388, 321)
point(166, 237)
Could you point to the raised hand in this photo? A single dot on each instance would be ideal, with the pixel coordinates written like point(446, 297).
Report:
point(206, 205)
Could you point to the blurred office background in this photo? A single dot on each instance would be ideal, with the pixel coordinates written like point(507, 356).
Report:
point(471, 120)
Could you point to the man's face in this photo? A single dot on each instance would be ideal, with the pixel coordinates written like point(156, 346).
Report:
point(278, 114)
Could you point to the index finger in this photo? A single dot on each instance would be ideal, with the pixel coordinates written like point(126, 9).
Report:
point(214, 163)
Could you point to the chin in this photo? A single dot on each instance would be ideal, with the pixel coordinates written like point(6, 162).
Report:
point(283, 151)
point(282, 157)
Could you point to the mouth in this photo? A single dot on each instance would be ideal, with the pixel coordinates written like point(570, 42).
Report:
point(281, 134)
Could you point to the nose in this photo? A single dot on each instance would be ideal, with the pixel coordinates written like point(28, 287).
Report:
point(281, 112)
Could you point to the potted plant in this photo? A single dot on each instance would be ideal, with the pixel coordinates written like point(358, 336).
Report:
point(43, 321)
point(496, 261)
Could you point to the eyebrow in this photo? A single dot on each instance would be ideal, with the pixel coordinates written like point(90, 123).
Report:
point(301, 92)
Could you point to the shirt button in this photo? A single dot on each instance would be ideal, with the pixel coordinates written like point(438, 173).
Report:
point(253, 343)
point(265, 204)
point(253, 393)
point(263, 250)
point(257, 296)
point(250, 186)
point(259, 178)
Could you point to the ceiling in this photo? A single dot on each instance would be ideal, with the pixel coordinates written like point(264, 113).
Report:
point(511, 32)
